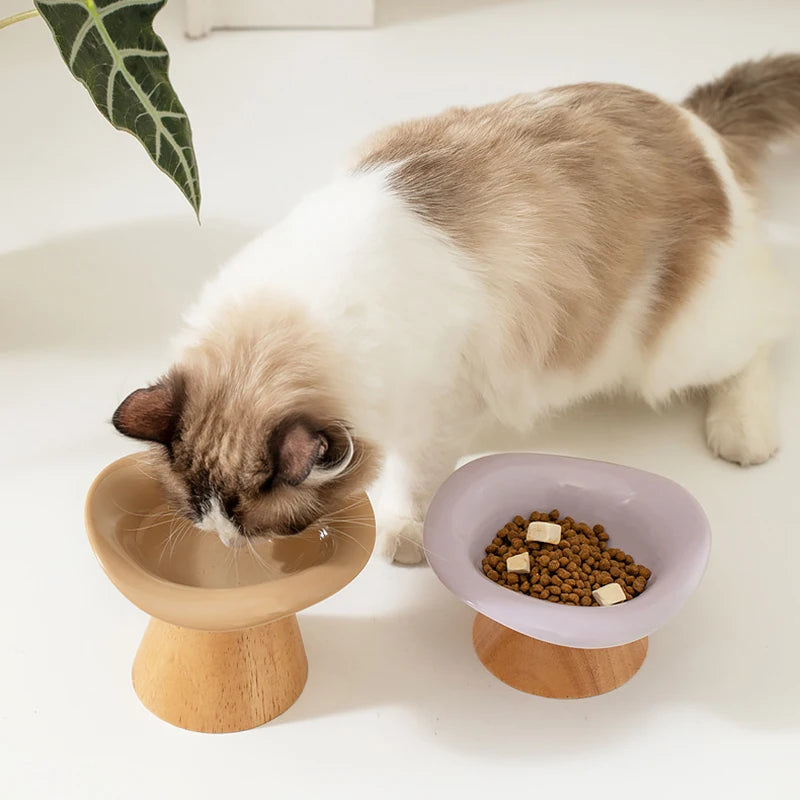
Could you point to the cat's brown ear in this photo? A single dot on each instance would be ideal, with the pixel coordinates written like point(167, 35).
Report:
point(296, 449)
point(150, 414)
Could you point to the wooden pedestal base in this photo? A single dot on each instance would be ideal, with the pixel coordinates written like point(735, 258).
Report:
point(550, 670)
point(220, 682)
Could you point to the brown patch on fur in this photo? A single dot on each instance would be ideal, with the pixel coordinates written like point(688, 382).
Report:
point(243, 392)
point(751, 105)
point(564, 199)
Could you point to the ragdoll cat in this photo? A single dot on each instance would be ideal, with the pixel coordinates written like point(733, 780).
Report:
point(488, 264)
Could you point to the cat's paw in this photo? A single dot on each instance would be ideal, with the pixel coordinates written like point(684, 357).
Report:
point(741, 425)
point(745, 440)
point(400, 541)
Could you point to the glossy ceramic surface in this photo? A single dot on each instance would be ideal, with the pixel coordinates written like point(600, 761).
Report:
point(654, 519)
point(189, 578)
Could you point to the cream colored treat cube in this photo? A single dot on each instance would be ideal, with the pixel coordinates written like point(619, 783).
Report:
point(520, 563)
point(609, 595)
point(543, 532)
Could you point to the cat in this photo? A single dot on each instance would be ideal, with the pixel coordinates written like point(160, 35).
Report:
point(486, 265)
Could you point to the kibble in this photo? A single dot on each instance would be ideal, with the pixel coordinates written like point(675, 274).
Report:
point(571, 569)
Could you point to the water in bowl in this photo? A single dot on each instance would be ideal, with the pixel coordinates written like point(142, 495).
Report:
point(174, 550)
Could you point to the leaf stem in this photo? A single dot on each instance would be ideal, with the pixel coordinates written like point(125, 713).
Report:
point(4, 23)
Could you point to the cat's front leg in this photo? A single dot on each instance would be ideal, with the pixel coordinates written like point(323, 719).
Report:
point(400, 540)
point(401, 497)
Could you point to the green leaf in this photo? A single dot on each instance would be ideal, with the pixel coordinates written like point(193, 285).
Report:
point(111, 48)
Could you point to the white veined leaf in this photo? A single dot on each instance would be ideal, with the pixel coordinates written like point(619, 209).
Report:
point(111, 48)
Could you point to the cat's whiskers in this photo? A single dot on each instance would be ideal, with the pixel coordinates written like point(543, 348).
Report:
point(167, 541)
point(270, 569)
point(341, 510)
point(183, 529)
point(137, 513)
point(144, 472)
point(158, 522)
point(227, 561)
point(338, 532)
point(366, 522)
point(236, 563)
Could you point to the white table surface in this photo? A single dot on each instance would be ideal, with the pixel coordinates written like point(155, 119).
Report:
point(98, 252)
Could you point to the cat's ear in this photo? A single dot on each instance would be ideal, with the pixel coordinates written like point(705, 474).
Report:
point(297, 447)
point(304, 453)
point(151, 414)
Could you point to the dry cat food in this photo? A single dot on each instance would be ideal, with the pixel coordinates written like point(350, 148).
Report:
point(562, 561)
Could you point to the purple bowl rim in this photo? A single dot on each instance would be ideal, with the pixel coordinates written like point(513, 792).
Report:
point(462, 586)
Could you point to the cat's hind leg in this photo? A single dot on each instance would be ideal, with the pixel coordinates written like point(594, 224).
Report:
point(741, 423)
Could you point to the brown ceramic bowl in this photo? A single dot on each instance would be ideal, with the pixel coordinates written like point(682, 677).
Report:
point(192, 580)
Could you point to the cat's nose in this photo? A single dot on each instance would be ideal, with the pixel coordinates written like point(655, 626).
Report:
point(215, 521)
point(231, 538)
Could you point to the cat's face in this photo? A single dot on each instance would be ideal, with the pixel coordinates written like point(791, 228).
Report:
point(241, 466)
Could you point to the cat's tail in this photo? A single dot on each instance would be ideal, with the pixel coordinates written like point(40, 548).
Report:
point(753, 104)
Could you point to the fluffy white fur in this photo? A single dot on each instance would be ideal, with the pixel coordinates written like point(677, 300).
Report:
point(417, 339)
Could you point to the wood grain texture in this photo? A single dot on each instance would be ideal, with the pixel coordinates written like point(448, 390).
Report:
point(550, 670)
point(220, 682)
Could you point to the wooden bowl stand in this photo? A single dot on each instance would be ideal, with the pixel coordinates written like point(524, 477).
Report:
point(550, 670)
point(220, 682)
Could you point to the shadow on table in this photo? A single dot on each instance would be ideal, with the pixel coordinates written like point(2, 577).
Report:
point(422, 660)
point(110, 288)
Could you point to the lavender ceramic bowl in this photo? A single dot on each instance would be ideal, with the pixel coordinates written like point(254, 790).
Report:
point(654, 519)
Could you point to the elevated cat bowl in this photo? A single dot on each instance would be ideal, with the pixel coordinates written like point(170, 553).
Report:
point(551, 649)
point(223, 650)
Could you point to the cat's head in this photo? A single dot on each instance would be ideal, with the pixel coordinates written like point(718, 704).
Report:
point(246, 454)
